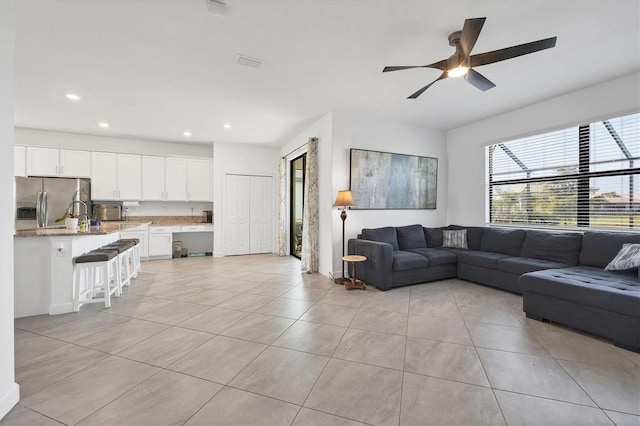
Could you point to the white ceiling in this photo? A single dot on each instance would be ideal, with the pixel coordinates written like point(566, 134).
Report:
point(155, 68)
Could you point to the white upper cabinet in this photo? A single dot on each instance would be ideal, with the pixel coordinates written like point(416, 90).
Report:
point(103, 176)
point(19, 160)
point(129, 176)
point(175, 179)
point(152, 178)
point(198, 180)
point(58, 162)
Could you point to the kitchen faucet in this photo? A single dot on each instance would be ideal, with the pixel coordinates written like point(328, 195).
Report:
point(73, 203)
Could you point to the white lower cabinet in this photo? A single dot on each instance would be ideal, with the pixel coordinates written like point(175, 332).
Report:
point(142, 234)
point(161, 241)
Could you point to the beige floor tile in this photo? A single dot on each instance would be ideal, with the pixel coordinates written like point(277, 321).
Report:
point(167, 398)
point(330, 314)
point(210, 297)
point(282, 374)
point(511, 339)
point(360, 392)
point(246, 302)
point(30, 345)
point(385, 322)
point(445, 360)
point(121, 336)
point(611, 388)
point(259, 328)
point(307, 417)
point(219, 360)
point(137, 306)
point(434, 308)
point(41, 371)
point(531, 375)
point(165, 347)
point(237, 286)
point(492, 313)
point(530, 410)
point(72, 399)
point(282, 280)
point(342, 297)
point(442, 329)
point(304, 293)
point(239, 408)
point(214, 320)
point(573, 346)
point(270, 290)
point(319, 339)
point(76, 331)
point(39, 323)
point(387, 302)
point(381, 349)
point(173, 313)
point(431, 401)
point(288, 308)
point(622, 419)
point(21, 416)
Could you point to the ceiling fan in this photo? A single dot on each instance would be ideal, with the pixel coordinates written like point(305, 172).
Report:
point(462, 63)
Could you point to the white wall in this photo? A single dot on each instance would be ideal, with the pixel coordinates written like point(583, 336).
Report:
point(54, 139)
point(465, 145)
point(9, 390)
point(321, 129)
point(240, 159)
point(378, 134)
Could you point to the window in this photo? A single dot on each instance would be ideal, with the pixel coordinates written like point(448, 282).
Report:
point(582, 177)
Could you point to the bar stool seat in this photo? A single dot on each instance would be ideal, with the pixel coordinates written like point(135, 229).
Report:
point(125, 260)
point(96, 272)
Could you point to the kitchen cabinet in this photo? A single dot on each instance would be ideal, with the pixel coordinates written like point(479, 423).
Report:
point(175, 179)
point(19, 160)
point(57, 162)
point(152, 178)
point(115, 176)
point(161, 241)
point(248, 214)
point(198, 180)
point(142, 234)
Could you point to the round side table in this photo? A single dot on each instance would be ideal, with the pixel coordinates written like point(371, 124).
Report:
point(353, 282)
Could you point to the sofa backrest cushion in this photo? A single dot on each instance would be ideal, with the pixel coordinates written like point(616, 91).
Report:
point(410, 237)
point(599, 248)
point(474, 235)
point(505, 241)
point(382, 235)
point(433, 236)
point(556, 247)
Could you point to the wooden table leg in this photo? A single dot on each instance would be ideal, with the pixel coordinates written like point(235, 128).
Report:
point(354, 284)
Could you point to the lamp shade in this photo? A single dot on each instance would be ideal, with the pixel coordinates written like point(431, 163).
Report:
point(343, 199)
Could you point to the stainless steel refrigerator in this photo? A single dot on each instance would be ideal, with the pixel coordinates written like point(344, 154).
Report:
point(40, 201)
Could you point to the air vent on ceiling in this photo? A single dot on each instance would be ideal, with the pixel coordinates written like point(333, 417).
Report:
point(249, 62)
point(217, 8)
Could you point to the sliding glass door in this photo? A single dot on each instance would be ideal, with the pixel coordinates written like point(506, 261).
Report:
point(297, 203)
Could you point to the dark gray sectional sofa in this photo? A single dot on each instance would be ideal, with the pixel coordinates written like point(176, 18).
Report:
point(560, 275)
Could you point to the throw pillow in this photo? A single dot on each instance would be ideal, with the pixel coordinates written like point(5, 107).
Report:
point(627, 258)
point(454, 239)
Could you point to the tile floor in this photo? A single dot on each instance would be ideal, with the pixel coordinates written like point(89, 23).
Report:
point(251, 341)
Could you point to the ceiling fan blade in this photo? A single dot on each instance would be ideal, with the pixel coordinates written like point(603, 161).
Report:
point(478, 80)
point(511, 52)
point(441, 65)
point(470, 32)
point(421, 91)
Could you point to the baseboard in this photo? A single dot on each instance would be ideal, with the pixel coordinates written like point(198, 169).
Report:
point(218, 254)
point(61, 308)
point(9, 399)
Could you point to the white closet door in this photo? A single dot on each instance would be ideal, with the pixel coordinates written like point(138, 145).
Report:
point(255, 209)
point(266, 215)
point(231, 215)
point(249, 214)
point(244, 223)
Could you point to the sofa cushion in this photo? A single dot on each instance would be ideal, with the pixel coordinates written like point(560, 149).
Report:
point(404, 260)
point(382, 235)
point(599, 248)
point(555, 247)
point(505, 241)
point(474, 235)
point(612, 291)
point(627, 258)
point(436, 256)
point(484, 259)
point(522, 265)
point(410, 237)
point(454, 238)
point(433, 236)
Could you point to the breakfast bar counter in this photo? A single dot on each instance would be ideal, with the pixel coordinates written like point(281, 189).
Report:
point(43, 265)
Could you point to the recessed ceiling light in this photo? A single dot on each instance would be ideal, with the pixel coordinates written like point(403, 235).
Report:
point(227, 126)
point(73, 97)
point(103, 124)
point(187, 134)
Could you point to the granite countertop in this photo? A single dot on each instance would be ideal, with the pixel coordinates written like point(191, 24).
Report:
point(61, 231)
point(168, 220)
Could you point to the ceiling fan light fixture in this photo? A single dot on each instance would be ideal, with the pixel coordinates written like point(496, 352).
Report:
point(457, 71)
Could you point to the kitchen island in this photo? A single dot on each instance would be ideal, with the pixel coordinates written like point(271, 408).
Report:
point(43, 265)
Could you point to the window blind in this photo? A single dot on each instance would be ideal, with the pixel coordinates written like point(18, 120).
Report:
point(586, 176)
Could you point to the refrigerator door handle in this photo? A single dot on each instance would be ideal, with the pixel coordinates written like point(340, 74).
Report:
point(45, 210)
point(39, 210)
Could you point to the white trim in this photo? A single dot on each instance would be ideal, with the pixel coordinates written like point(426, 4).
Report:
point(9, 399)
point(60, 308)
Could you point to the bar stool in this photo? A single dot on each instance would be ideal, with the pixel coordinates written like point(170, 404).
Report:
point(125, 256)
point(136, 255)
point(95, 272)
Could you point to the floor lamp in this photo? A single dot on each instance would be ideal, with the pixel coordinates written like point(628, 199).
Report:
point(343, 200)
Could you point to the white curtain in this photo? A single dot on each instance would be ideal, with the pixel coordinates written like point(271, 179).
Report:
point(282, 215)
point(310, 230)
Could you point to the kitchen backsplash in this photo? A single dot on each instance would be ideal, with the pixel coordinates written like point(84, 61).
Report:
point(166, 220)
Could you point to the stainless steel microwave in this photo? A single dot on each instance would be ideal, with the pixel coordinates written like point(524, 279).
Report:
point(107, 211)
